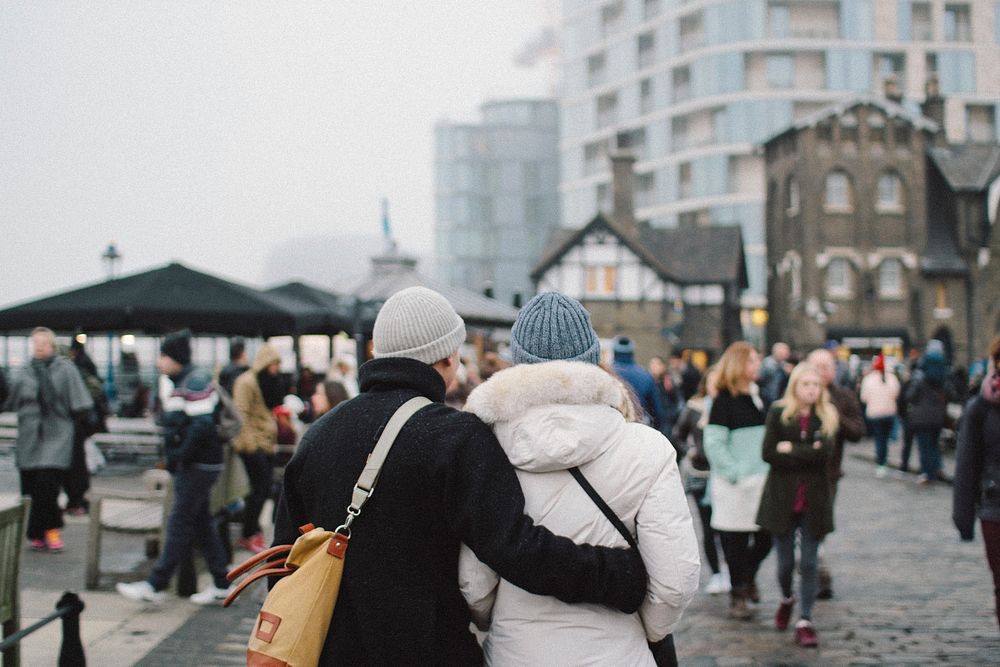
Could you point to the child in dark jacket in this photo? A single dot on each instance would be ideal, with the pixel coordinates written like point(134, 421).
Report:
point(798, 439)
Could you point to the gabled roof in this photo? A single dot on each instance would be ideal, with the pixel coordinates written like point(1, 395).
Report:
point(967, 167)
point(393, 273)
point(887, 106)
point(687, 256)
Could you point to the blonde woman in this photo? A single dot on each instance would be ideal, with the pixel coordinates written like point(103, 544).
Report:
point(799, 437)
point(732, 441)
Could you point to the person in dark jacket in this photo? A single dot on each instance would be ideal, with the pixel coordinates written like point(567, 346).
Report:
point(928, 394)
point(237, 364)
point(639, 379)
point(445, 481)
point(194, 454)
point(77, 480)
point(977, 469)
point(798, 439)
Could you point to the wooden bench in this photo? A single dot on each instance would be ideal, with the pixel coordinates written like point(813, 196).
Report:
point(137, 513)
point(12, 522)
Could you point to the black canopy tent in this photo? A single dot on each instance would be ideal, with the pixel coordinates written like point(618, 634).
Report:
point(162, 300)
point(318, 311)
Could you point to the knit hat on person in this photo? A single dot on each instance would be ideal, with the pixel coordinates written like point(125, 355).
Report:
point(417, 323)
point(623, 345)
point(552, 327)
point(177, 346)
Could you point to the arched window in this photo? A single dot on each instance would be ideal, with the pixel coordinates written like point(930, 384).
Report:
point(839, 281)
point(837, 194)
point(792, 195)
point(890, 279)
point(890, 191)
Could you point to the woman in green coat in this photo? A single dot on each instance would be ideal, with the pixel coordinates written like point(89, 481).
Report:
point(798, 439)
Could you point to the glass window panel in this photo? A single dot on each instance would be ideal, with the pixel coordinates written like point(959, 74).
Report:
point(957, 25)
point(856, 19)
point(957, 72)
point(890, 278)
point(780, 71)
point(837, 192)
point(890, 190)
point(777, 20)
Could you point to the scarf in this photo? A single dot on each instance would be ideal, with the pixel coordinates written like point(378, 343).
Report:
point(47, 396)
point(991, 387)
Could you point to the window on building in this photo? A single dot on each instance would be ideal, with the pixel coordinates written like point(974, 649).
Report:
point(645, 96)
point(980, 123)
point(957, 24)
point(792, 196)
point(684, 186)
point(679, 132)
point(901, 134)
point(645, 184)
point(876, 128)
point(890, 66)
point(646, 49)
point(837, 193)
point(777, 20)
point(780, 71)
point(890, 191)
point(607, 109)
point(921, 28)
point(612, 15)
point(634, 141)
point(601, 280)
point(848, 129)
point(651, 8)
point(692, 34)
point(838, 278)
point(890, 279)
point(681, 83)
point(595, 68)
point(594, 157)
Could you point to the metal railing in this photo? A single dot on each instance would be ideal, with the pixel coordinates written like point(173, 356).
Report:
point(71, 654)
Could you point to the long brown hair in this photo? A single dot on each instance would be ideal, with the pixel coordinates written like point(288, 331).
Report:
point(732, 368)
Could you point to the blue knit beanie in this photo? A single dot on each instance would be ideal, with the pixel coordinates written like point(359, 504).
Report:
point(554, 326)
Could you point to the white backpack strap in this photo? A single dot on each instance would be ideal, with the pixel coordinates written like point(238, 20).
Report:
point(366, 482)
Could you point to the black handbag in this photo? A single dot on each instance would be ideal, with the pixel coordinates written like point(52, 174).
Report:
point(664, 651)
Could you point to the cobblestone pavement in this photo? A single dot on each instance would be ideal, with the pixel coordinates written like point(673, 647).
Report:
point(907, 592)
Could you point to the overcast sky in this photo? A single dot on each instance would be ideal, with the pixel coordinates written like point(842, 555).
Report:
point(207, 132)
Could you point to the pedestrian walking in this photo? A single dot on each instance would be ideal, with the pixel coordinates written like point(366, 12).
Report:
point(257, 439)
point(237, 364)
point(51, 401)
point(879, 394)
point(732, 441)
point(638, 378)
point(928, 395)
point(668, 385)
point(194, 455)
point(76, 482)
point(774, 372)
point(688, 437)
point(558, 415)
point(798, 440)
point(446, 481)
point(976, 491)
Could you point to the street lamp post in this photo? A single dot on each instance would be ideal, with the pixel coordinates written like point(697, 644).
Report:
point(110, 257)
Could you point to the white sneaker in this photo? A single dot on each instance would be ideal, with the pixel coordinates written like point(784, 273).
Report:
point(141, 591)
point(211, 595)
point(881, 472)
point(718, 583)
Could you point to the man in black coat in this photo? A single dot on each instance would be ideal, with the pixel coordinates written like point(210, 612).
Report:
point(446, 481)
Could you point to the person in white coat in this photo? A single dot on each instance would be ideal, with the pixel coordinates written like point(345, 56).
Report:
point(554, 410)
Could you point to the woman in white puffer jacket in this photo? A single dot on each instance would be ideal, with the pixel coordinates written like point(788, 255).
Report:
point(550, 416)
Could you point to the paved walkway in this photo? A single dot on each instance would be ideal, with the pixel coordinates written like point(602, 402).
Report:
point(907, 592)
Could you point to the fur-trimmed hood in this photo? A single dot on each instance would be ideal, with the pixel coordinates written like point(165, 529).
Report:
point(551, 416)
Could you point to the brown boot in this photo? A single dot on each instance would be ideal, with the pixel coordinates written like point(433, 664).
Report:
point(738, 608)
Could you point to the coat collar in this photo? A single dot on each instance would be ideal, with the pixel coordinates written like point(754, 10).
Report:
point(401, 373)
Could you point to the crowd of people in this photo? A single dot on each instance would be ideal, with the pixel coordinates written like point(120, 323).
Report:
point(544, 486)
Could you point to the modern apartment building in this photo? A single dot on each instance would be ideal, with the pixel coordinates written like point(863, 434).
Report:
point(496, 196)
point(693, 87)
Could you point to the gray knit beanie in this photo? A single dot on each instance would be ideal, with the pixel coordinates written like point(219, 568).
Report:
point(417, 323)
point(554, 326)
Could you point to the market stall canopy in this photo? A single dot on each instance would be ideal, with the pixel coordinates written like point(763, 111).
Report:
point(318, 311)
point(391, 273)
point(158, 301)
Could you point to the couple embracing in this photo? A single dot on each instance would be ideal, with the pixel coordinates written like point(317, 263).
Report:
point(451, 537)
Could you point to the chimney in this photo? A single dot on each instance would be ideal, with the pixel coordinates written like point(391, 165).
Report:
point(623, 210)
point(891, 88)
point(933, 105)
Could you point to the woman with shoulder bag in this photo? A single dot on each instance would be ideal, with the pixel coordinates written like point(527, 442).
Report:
point(559, 418)
point(798, 440)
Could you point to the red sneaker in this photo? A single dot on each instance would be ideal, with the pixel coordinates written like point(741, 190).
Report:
point(53, 540)
point(784, 613)
point(805, 635)
point(38, 545)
